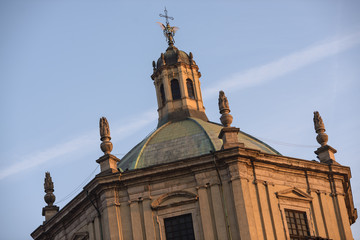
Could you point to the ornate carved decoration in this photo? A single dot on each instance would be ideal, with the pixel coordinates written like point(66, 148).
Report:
point(49, 189)
point(106, 146)
point(177, 197)
point(169, 32)
point(226, 118)
point(319, 126)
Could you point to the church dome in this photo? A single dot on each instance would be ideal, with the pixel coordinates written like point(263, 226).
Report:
point(188, 138)
point(172, 56)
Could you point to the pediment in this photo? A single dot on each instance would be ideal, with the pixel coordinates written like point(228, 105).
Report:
point(175, 198)
point(294, 194)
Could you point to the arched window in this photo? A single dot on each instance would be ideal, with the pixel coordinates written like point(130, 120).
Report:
point(175, 89)
point(190, 88)
point(162, 94)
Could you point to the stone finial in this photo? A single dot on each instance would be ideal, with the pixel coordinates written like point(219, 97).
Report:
point(106, 146)
point(224, 109)
point(319, 126)
point(49, 189)
point(191, 60)
point(154, 65)
point(108, 162)
point(229, 135)
point(325, 153)
point(49, 210)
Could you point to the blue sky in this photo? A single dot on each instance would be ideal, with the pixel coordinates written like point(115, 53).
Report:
point(64, 64)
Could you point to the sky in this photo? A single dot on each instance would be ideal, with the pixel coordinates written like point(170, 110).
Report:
point(64, 64)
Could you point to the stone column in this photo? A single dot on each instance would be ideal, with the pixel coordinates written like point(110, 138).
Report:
point(197, 88)
point(158, 94)
point(182, 83)
point(166, 81)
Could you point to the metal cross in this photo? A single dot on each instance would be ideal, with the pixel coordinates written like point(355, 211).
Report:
point(166, 16)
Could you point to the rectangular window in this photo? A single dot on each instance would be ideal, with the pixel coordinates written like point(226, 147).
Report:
point(179, 228)
point(297, 224)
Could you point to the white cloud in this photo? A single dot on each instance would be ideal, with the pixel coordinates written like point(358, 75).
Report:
point(80, 143)
point(251, 77)
point(284, 65)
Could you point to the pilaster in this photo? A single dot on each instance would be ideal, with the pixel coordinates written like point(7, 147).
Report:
point(243, 204)
point(207, 225)
point(136, 221)
point(148, 219)
point(218, 206)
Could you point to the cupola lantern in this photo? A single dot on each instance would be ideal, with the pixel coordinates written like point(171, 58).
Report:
point(176, 79)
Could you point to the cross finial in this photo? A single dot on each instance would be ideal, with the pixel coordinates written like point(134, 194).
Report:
point(166, 16)
point(169, 32)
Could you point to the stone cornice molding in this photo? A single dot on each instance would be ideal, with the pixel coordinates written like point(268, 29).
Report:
point(174, 66)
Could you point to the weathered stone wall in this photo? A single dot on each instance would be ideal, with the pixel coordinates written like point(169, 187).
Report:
point(243, 195)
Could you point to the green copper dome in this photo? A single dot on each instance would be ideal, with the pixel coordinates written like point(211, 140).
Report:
point(173, 141)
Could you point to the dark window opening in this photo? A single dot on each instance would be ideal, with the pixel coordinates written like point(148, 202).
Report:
point(297, 224)
point(179, 228)
point(162, 94)
point(190, 88)
point(175, 89)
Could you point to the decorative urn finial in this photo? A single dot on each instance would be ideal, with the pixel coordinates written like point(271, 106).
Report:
point(226, 118)
point(49, 189)
point(325, 153)
point(106, 146)
point(319, 126)
point(50, 210)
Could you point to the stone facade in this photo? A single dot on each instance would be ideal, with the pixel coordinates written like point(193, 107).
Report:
point(234, 193)
point(231, 192)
